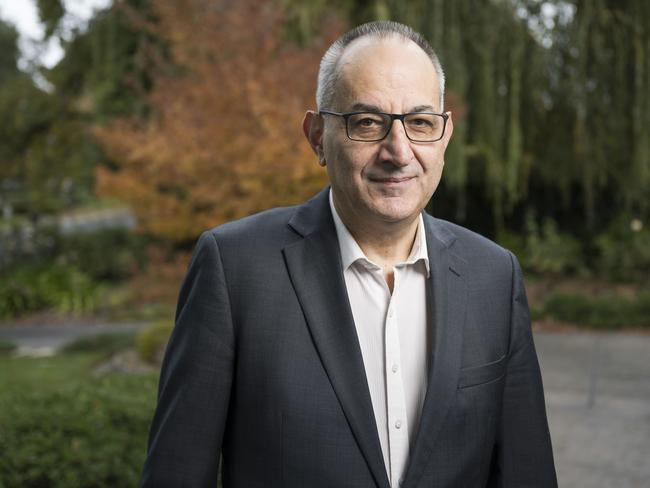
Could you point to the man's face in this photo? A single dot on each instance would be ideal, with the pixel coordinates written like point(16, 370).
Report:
point(392, 180)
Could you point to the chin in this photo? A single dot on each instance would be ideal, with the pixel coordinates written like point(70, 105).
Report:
point(397, 212)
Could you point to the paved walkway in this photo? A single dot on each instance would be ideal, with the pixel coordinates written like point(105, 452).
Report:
point(597, 392)
point(598, 399)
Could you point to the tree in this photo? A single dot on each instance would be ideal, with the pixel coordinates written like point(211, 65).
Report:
point(223, 139)
point(8, 51)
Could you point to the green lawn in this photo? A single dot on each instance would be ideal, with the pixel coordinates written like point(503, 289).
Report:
point(61, 426)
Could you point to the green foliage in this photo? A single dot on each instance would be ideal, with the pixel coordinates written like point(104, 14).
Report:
point(48, 153)
point(146, 312)
point(513, 242)
point(107, 68)
point(150, 343)
point(65, 289)
point(550, 251)
point(60, 427)
point(50, 12)
point(45, 152)
point(104, 254)
point(6, 347)
point(550, 113)
point(606, 312)
point(105, 344)
point(67, 273)
point(624, 253)
point(8, 51)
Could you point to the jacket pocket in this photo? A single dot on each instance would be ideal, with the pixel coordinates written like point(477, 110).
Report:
point(484, 373)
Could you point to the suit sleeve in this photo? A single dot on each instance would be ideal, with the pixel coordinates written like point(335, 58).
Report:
point(524, 452)
point(194, 390)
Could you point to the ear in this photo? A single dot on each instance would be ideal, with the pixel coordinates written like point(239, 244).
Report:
point(449, 130)
point(312, 127)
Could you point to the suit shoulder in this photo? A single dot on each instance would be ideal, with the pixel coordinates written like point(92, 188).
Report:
point(266, 226)
point(471, 246)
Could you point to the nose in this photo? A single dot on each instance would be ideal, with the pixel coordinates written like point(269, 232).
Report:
point(396, 147)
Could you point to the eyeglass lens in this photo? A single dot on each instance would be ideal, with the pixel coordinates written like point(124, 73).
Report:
point(373, 126)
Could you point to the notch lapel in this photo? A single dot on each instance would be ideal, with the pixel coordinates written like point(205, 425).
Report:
point(314, 266)
point(447, 290)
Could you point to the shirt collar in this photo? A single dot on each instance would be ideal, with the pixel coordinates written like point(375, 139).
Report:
point(351, 252)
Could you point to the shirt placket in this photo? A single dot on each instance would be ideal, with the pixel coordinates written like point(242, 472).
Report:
point(395, 399)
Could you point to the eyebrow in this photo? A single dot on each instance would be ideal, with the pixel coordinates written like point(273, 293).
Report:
point(423, 108)
point(365, 107)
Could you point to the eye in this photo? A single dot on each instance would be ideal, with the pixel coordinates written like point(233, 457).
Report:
point(367, 120)
point(421, 122)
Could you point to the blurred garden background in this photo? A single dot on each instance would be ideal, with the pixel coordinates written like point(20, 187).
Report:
point(161, 118)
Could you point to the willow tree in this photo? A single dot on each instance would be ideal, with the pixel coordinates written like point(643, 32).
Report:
point(489, 57)
point(603, 85)
point(551, 105)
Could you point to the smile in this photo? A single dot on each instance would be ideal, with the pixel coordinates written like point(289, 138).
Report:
point(392, 180)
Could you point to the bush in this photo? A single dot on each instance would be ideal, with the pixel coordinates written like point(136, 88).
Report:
point(624, 251)
point(31, 288)
point(110, 254)
point(550, 252)
point(104, 344)
point(514, 242)
point(85, 431)
point(6, 347)
point(150, 343)
point(607, 312)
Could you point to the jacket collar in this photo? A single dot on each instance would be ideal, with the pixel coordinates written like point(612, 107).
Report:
point(315, 268)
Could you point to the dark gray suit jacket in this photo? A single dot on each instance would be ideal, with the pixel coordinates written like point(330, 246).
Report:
point(264, 367)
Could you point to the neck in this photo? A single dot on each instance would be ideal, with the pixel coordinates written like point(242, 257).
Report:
point(384, 243)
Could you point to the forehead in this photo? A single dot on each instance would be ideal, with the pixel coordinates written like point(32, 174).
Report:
point(393, 73)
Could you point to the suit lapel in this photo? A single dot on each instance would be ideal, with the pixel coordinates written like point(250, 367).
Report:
point(447, 290)
point(314, 265)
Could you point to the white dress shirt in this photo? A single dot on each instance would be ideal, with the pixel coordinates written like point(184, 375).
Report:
point(394, 340)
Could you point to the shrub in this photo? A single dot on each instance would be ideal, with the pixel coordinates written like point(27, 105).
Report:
point(607, 312)
point(109, 254)
point(42, 286)
point(6, 347)
point(105, 344)
point(514, 242)
point(84, 431)
point(551, 252)
point(150, 343)
point(624, 251)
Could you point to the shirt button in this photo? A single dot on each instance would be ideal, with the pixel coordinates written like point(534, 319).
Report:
point(394, 368)
point(390, 313)
point(398, 424)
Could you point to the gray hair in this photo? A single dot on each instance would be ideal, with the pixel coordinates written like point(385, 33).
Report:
point(328, 72)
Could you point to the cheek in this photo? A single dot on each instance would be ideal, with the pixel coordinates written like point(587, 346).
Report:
point(432, 161)
point(349, 164)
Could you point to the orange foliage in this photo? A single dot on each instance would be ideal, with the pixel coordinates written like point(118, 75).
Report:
point(224, 140)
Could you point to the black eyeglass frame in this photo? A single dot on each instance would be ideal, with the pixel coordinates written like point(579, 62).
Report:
point(393, 117)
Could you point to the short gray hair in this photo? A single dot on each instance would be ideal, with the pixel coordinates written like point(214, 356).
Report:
point(328, 72)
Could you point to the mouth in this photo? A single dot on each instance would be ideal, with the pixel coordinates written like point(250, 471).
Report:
point(392, 180)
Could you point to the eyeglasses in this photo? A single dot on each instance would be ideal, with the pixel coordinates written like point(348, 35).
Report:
point(375, 126)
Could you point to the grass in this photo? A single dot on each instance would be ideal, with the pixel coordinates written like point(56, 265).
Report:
point(61, 426)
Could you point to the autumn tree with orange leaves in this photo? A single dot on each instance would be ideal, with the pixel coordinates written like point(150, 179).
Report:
point(224, 138)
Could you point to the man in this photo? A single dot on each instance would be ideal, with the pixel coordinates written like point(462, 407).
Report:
point(355, 341)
